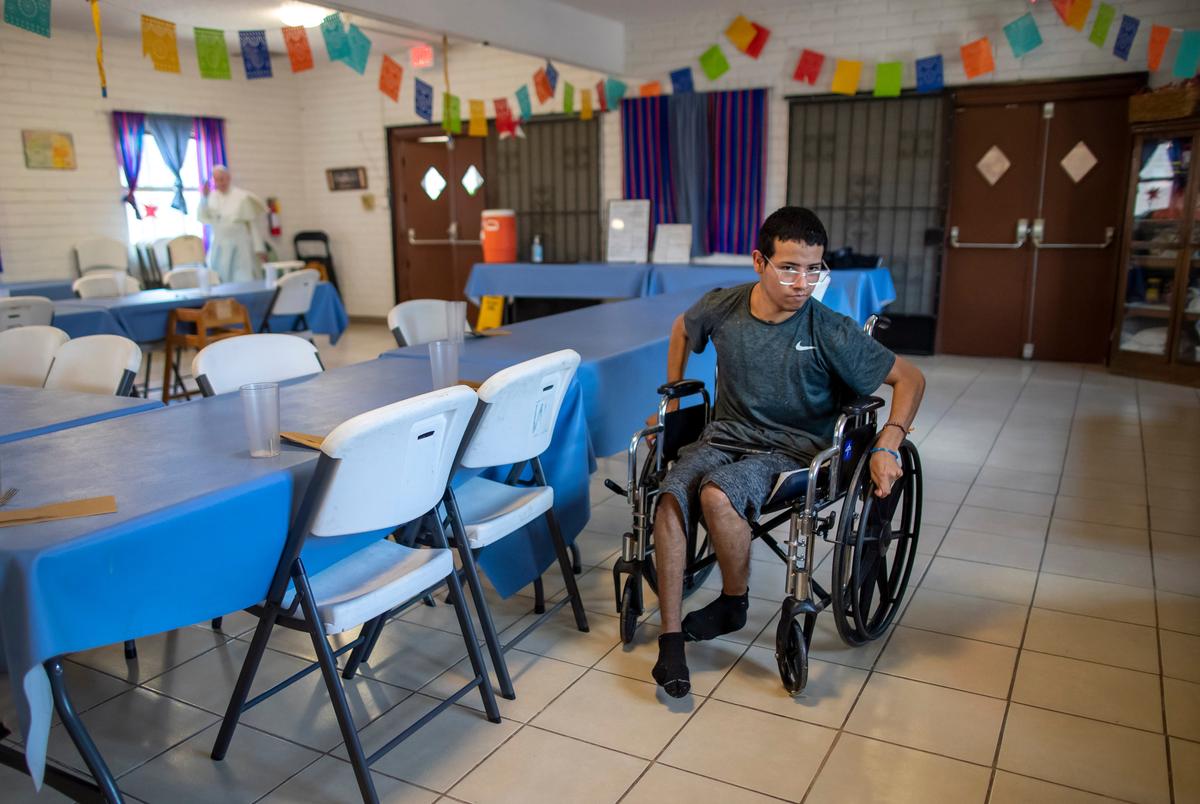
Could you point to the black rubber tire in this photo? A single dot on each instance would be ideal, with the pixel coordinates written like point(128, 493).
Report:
point(629, 610)
point(792, 658)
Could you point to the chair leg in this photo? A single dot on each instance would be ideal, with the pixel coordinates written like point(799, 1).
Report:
point(167, 365)
point(369, 636)
point(539, 596)
point(216, 623)
point(130, 650)
point(79, 736)
point(576, 559)
point(149, 368)
point(241, 690)
point(568, 573)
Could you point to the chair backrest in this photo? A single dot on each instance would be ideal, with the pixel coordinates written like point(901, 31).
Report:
point(26, 354)
point(95, 364)
point(294, 292)
point(148, 271)
point(182, 278)
point(105, 285)
point(25, 311)
point(227, 365)
point(393, 462)
point(101, 253)
point(185, 250)
point(162, 259)
point(520, 407)
point(418, 321)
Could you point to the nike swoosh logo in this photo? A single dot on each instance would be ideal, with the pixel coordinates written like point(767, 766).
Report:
point(802, 348)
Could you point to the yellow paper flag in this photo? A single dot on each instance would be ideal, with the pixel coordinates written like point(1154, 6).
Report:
point(478, 122)
point(585, 101)
point(158, 42)
point(741, 33)
point(845, 76)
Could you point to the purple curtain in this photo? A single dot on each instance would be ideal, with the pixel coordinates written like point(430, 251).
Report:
point(737, 127)
point(129, 129)
point(210, 152)
point(646, 135)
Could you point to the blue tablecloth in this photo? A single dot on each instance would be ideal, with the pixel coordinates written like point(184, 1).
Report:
point(558, 281)
point(78, 319)
point(200, 531)
point(52, 289)
point(27, 412)
point(624, 351)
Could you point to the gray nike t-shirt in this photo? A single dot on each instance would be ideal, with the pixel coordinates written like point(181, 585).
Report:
point(781, 386)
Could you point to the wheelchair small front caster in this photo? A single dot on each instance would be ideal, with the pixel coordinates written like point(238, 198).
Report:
point(630, 610)
point(791, 653)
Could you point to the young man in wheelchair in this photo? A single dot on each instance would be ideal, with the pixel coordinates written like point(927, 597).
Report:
point(786, 363)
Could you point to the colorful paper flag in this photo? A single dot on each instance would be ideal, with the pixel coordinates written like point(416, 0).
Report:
point(360, 49)
point(568, 98)
point(930, 74)
point(650, 89)
point(1023, 35)
point(451, 113)
point(601, 96)
point(390, 73)
point(423, 100)
point(1188, 56)
point(888, 77)
point(256, 56)
point(1078, 13)
point(585, 99)
point(614, 90)
point(808, 68)
point(541, 83)
point(158, 42)
point(1063, 7)
point(761, 35)
point(977, 58)
point(334, 33)
point(299, 51)
point(505, 125)
point(1159, 34)
point(740, 32)
point(552, 76)
point(713, 63)
point(95, 4)
point(523, 102)
point(1104, 18)
point(681, 81)
point(1125, 36)
point(846, 73)
point(477, 124)
point(31, 15)
point(211, 53)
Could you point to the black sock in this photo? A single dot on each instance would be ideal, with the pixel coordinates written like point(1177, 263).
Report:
point(724, 615)
point(671, 670)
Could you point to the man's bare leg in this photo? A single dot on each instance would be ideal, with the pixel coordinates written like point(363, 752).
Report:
point(730, 535)
point(670, 555)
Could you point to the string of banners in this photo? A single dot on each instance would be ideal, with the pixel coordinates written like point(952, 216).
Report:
point(349, 45)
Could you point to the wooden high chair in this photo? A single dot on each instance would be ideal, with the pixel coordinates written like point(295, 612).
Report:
point(217, 320)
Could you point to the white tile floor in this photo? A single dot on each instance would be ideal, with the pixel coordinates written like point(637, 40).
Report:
point(1049, 651)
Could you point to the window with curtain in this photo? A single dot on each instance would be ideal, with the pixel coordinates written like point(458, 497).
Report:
point(156, 191)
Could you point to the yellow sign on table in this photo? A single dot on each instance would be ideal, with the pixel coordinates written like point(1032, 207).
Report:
point(491, 313)
point(845, 76)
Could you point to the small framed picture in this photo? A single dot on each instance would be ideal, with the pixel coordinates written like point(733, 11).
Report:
point(49, 150)
point(347, 178)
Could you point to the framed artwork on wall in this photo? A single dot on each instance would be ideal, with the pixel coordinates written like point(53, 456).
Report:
point(48, 150)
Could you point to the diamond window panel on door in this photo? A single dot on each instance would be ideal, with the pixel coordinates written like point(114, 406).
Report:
point(472, 180)
point(1079, 161)
point(433, 183)
point(993, 165)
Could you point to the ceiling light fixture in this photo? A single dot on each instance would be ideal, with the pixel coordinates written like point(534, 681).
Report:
point(302, 15)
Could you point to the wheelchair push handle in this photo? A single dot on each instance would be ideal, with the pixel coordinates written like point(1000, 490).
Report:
point(680, 388)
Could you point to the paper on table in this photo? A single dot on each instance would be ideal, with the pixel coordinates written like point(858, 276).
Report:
point(90, 506)
point(472, 384)
point(302, 439)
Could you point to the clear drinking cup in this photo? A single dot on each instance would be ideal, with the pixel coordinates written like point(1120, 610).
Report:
point(260, 403)
point(203, 281)
point(443, 362)
point(456, 321)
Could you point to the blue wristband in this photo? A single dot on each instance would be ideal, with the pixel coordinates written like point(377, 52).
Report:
point(891, 452)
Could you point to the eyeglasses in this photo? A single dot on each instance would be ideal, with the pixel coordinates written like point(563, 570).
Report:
point(790, 274)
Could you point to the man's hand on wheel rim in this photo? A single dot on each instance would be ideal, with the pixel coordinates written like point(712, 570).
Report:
point(885, 471)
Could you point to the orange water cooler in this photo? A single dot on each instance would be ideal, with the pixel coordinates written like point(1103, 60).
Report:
point(498, 231)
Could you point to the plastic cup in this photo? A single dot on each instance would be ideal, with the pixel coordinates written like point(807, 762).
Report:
point(443, 362)
point(203, 281)
point(119, 278)
point(456, 321)
point(260, 404)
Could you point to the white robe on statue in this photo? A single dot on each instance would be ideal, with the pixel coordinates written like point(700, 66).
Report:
point(237, 234)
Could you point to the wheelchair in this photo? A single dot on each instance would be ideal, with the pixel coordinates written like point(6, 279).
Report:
point(874, 539)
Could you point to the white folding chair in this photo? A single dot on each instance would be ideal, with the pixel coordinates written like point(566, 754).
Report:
point(377, 471)
point(25, 311)
point(293, 296)
point(185, 250)
point(26, 354)
point(95, 364)
point(101, 254)
point(229, 364)
point(105, 285)
point(190, 277)
point(419, 321)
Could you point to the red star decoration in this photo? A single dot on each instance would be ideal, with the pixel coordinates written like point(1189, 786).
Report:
point(151, 210)
point(1152, 193)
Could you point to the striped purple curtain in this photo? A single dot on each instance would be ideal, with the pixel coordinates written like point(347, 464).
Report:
point(129, 128)
point(737, 128)
point(647, 147)
point(210, 152)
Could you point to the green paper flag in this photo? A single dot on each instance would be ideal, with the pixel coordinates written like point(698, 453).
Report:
point(714, 63)
point(211, 53)
point(888, 76)
point(1104, 18)
point(568, 98)
point(451, 114)
point(32, 15)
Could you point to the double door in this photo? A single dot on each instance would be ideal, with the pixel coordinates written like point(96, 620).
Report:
point(1036, 193)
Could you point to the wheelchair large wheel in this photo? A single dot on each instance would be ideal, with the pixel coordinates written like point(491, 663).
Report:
point(875, 550)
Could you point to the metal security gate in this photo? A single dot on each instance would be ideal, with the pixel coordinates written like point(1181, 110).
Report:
point(551, 178)
point(873, 170)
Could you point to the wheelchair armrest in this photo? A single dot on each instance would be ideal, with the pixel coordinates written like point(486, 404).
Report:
point(681, 388)
point(861, 405)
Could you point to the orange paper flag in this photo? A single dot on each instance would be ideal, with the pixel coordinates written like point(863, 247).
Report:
point(390, 74)
point(650, 89)
point(1159, 34)
point(585, 100)
point(158, 42)
point(1078, 14)
point(741, 32)
point(541, 82)
point(977, 58)
point(299, 53)
point(845, 76)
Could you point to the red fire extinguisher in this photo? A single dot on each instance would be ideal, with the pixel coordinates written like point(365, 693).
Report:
point(273, 217)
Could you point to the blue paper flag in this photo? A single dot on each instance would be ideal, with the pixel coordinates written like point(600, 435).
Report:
point(1023, 35)
point(423, 100)
point(1188, 55)
point(334, 34)
point(255, 53)
point(614, 90)
point(929, 74)
point(360, 49)
point(681, 81)
point(32, 15)
point(552, 76)
point(1124, 43)
point(523, 102)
